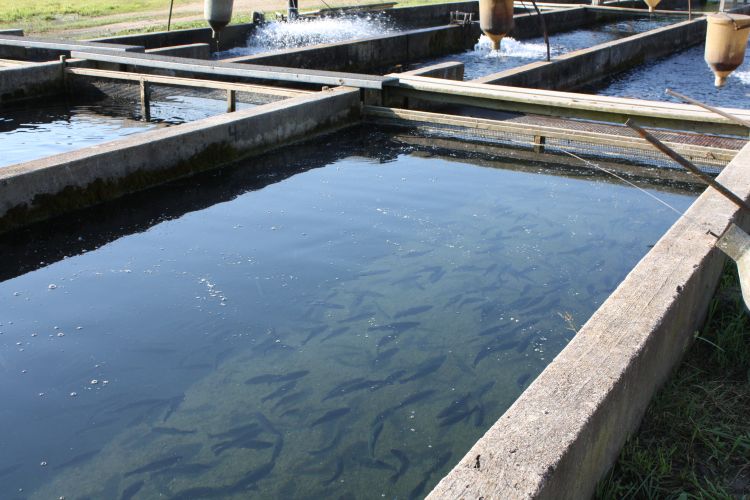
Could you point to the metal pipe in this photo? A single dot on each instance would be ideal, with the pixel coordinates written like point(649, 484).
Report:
point(292, 10)
point(692, 168)
point(169, 19)
point(544, 27)
point(719, 112)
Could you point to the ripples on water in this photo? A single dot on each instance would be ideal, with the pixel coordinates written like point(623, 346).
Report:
point(344, 324)
point(483, 60)
point(34, 132)
point(311, 31)
point(686, 73)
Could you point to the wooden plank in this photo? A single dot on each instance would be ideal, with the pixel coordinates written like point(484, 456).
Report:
point(392, 115)
point(250, 71)
point(568, 104)
point(188, 82)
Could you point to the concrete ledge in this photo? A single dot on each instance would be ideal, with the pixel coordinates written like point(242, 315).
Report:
point(32, 80)
point(44, 188)
point(564, 72)
point(193, 51)
point(567, 428)
point(14, 32)
point(231, 36)
point(450, 70)
point(28, 48)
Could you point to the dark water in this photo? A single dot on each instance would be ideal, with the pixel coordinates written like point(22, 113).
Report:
point(344, 322)
point(29, 133)
point(484, 61)
point(686, 73)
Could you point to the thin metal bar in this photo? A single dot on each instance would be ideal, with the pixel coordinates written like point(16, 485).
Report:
point(231, 101)
point(145, 101)
point(169, 19)
point(719, 112)
point(692, 168)
point(544, 27)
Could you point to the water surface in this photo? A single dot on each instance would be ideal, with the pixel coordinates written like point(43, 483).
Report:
point(44, 129)
point(343, 322)
point(686, 73)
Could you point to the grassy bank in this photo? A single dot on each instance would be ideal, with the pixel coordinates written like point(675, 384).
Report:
point(694, 441)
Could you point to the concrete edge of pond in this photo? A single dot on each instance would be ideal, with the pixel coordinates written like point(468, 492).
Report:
point(30, 80)
point(50, 186)
point(190, 50)
point(565, 431)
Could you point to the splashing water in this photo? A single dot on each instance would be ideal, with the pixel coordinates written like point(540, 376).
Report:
point(303, 32)
point(510, 47)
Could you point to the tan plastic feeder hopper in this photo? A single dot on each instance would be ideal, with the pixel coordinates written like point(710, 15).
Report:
point(652, 4)
point(496, 19)
point(726, 39)
point(218, 13)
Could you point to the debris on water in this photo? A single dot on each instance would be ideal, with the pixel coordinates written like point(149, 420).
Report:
point(51, 286)
point(73, 394)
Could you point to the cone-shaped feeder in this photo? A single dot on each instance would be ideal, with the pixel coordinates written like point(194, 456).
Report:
point(496, 19)
point(652, 4)
point(218, 13)
point(726, 39)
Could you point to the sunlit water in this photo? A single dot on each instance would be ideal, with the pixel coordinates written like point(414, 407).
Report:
point(483, 60)
point(343, 324)
point(686, 73)
point(311, 31)
point(34, 132)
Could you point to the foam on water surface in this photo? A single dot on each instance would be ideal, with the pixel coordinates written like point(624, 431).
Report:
point(303, 32)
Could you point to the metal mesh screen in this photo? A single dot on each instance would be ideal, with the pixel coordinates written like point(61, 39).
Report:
point(576, 146)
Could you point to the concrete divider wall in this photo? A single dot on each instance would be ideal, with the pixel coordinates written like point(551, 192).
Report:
point(28, 48)
point(232, 36)
point(566, 429)
point(192, 51)
point(33, 80)
point(50, 186)
point(593, 64)
point(14, 32)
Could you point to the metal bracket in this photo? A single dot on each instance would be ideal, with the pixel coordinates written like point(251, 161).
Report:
point(462, 18)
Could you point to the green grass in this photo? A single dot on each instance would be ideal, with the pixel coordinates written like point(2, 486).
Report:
point(694, 441)
point(48, 10)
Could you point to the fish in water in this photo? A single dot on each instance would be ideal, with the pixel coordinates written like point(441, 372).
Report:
point(342, 387)
point(184, 470)
point(174, 403)
point(337, 473)
point(377, 428)
point(358, 317)
point(456, 406)
point(386, 340)
point(129, 492)
point(294, 397)
point(240, 487)
point(458, 416)
point(412, 311)
point(336, 333)
point(314, 333)
point(385, 356)
point(330, 446)
point(78, 459)
point(238, 431)
point(404, 463)
point(272, 379)
point(398, 327)
point(492, 348)
point(163, 463)
point(425, 368)
point(414, 398)
point(171, 431)
point(241, 443)
point(280, 391)
point(521, 381)
point(331, 416)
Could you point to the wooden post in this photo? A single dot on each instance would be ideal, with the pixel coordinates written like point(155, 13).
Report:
point(231, 101)
point(539, 142)
point(145, 101)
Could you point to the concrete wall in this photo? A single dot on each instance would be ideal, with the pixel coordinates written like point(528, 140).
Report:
point(567, 428)
point(43, 188)
point(590, 65)
point(192, 51)
point(14, 32)
point(26, 48)
point(231, 36)
point(33, 80)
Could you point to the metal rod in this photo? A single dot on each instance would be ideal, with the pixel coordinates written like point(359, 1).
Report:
point(712, 109)
point(231, 101)
point(169, 19)
point(145, 101)
point(692, 168)
point(690, 10)
point(544, 27)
